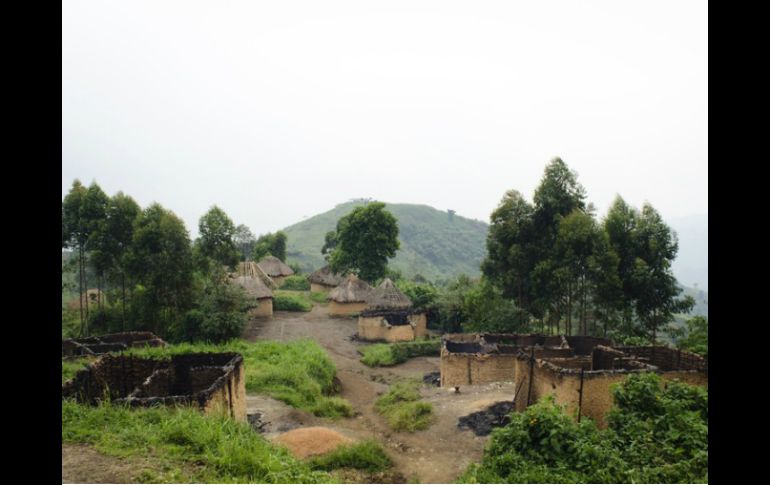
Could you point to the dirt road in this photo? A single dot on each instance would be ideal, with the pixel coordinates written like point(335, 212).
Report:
point(436, 455)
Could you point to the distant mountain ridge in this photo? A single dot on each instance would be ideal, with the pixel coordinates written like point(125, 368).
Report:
point(435, 244)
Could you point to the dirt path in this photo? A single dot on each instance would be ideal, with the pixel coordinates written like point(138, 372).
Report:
point(436, 455)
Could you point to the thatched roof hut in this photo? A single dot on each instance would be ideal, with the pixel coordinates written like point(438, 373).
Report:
point(274, 267)
point(351, 290)
point(387, 297)
point(251, 269)
point(253, 286)
point(325, 277)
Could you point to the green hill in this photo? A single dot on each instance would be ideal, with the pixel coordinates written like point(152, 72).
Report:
point(434, 243)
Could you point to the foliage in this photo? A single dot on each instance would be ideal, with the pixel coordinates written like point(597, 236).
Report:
point(694, 337)
point(296, 283)
point(402, 408)
point(271, 244)
point(291, 302)
point(70, 367)
point(217, 231)
point(298, 373)
point(424, 296)
point(381, 355)
point(366, 455)
point(211, 449)
point(244, 241)
point(656, 434)
point(319, 297)
point(485, 310)
point(366, 238)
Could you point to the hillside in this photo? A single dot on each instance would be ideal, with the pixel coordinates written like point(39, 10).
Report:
point(432, 244)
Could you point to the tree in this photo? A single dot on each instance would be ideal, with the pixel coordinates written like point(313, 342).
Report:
point(77, 236)
point(160, 261)
point(93, 213)
point(653, 284)
point(366, 238)
point(330, 242)
point(271, 244)
point(244, 240)
point(620, 225)
point(216, 237)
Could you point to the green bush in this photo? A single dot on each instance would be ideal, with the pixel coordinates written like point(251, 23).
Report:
point(367, 455)
point(656, 434)
point(318, 297)
point(291, 302)
point(296, 283)
point(403, 409)
point(201, 449)
point(391, 354)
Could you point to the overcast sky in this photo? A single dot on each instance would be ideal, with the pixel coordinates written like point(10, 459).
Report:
point(277, 110)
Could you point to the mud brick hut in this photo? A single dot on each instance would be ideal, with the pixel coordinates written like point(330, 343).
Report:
point(349, 298)
point(113, 342)
point(389, 316)
point(323, 280)
point(582, 382)
point(256, 289)
point(469, 359)
point(250, 268)
point(213, 383)
point(276, 269)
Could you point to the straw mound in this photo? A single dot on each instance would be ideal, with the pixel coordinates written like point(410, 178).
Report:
point(304, 442)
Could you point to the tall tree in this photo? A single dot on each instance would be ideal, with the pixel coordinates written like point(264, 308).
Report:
point(216, 237)
point(160, 260)
point(93, 214)
point(330, 242)
point(620, 226)
point(366, 238)
point(271, 244)
point(244, 240)
point(77, 234)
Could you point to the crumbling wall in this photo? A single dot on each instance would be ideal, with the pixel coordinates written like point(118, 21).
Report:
point(377, 328)
point(264, 308)
point(114, 342)
point(667, 359)
point(584, 344)
point(337, 309)
point(460, 369)
point(212, 382)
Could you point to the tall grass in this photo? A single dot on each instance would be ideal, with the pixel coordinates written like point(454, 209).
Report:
point(392, 354)
point(294, 301)
point(366, 455)
point(207, 449)
point(402, 408)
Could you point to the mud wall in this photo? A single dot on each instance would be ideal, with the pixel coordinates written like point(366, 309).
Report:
point(668, 359)
point(337, 309)
point(264, 308)
point(319, 288)
point(470, 369)
point(377, 329)
point(230, 397)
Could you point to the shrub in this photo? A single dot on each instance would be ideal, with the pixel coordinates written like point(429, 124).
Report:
point(291, 302)
point(367, 455)
point(296, 283)
point(318, 297)
point(396, 353)
point(403, 409)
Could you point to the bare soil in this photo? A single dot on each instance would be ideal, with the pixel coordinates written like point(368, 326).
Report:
point(438, 454)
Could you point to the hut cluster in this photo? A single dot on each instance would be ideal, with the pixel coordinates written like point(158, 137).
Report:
point(213, 383)
point(259, 280)
point(577, 370)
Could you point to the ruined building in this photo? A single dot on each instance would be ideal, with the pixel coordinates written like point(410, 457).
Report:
point(389, 316)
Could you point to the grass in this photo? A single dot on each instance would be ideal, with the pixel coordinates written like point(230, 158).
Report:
point(378, 355)
point(291, 301)
point(298, 373)
point(70, 367)
point(296, 282)
point(319, 297)
point(368, 455)
point(196, 448)
point(402, 408)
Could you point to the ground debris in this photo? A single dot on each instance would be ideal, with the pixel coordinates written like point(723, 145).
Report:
point(257, 422)
point(432, 378)
point(482, 422)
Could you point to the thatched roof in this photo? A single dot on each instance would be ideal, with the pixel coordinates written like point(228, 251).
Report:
point(254, 287)
point(351, 290)
point(388, 297)
point(324, 276)
point(250, 268)
point(274, 267)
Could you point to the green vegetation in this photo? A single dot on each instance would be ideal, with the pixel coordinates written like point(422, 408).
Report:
point(319, 297)
point(430, 242)
point(368, 455)
point(364, 241)
point(197, 448)
point(291, 301)
point(657, 434)
point(270, 244)
point(402, 408)
point(70, 367)
point(694, 337)
point(380, 355)
point(296, 283)
point(298, 373)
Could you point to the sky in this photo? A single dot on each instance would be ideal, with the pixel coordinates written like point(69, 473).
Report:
point(277, 111)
